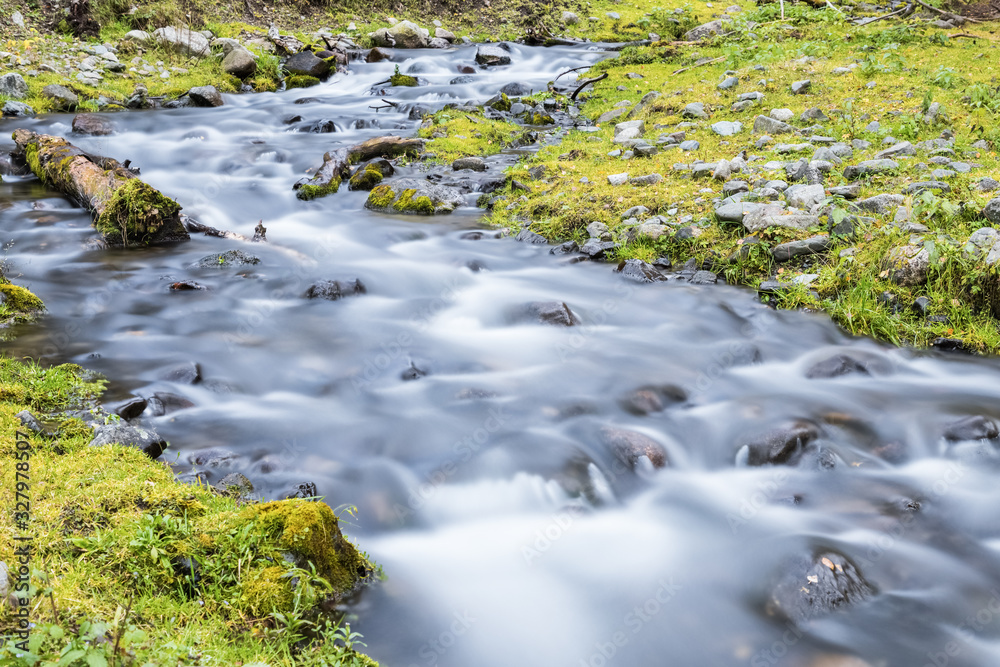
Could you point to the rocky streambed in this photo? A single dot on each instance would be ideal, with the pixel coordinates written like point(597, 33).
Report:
point(555, 463)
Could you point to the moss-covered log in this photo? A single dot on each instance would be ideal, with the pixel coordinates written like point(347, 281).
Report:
point(336, 167)
point(127, 211)
point(388, 147)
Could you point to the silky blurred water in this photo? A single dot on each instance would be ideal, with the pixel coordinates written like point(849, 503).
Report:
point(509, 531)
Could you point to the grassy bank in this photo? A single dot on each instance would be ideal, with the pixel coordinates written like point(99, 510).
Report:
point(114, 562)
point(890, 74)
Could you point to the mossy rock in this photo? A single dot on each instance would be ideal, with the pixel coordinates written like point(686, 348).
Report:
point(499, 102)
point(398, 79)
point(310, 532)
point(301, 81)
point(413, 196)
point(310, 191)
point(370, 174)
point(19, 300)
point(136, 214)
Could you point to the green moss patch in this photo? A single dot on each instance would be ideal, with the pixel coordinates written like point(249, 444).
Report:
point(136, 214)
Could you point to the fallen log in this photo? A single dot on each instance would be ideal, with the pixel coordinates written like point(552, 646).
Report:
point(127, 211)
point(388, 147)
point(336, 167)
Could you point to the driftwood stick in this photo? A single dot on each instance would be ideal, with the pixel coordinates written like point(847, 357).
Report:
point(575, 69)
point(943, 12)
point(587, 83)
point(707, 62)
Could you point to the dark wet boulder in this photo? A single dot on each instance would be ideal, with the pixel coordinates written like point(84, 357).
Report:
point(813, 586)
point(971, 428)
point(630, 446)
point(186, 286)
point(92, 124)
point(412, 372)
point(530, 237)
point(640, 271)
point(130, 409)
point(489, 55)
point(565, 248)
point(305, 63)
point(414, 196)
point(142, 438)
point(596, 249)
point(836, 366)
point(378, 54)
point(186, 373)
point(473, 163)
point(322, 126)
point(227, 259)
point(552, 312)
point(370, 174)
point(163, 403)
point(783, 445)
point(334, 290)
point(205, 96)
point(646, 400)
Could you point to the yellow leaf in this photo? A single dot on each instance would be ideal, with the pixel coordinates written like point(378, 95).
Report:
point(827, 562)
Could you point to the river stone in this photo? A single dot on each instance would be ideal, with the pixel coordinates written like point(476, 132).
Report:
point(414, 196)
point(630, 447)
point(187, 42)
point(489, 55)
point(727, 128)
point(334, 290)
point(971, 428)
point(305, 63)
point(837, 365)
point(640, 271)
point(92, 124)
point(205, 96)
point(530, 237)
point(992, 211)
point(810, 246)
point(14, 109)
point(516, 89)
point(813, 586)
point(239, 63)
point(767, 125)
point(145, 439)
point(13, 85)
point(805, 196)
point(694, 110)
point(234, 484)
point(703, 31)
point(377, 55)
point(782, 445)
point(908, 265)
point(869, 167)
point(552, 312)
point(408, 35)
point(765, 218)
point(61, 96)
point(473, 163)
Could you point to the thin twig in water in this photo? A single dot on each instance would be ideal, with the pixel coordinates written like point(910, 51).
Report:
point(707, 62)
point(587, 83)
point(575, 69)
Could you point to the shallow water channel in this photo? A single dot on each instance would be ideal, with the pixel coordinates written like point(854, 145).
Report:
point(511, 530)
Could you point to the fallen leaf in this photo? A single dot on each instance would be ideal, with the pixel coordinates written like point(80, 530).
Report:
point(827, 562)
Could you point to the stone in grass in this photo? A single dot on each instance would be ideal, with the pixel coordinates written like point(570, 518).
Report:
point(897, 149)
point(801, 87)
point(805, 196)
point(870, 167)
point(12, 85)
point(987, 185)
point(617, 179)
point(917, 188)
point(727, 128)
point(992, 211)
point(810, 246)
point(767, 125)
point(690, 145)
point(880, 204)
point(650, 179)
point(62, 97)
point(694, 110)
point(630, 129)
point(766, 217)
point(908, 265)
point(728, 83)
point(849, 191)
point(982, 240)
point(14, 109)
point(129, 436)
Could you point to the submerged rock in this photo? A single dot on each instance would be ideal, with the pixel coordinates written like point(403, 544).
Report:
point(814, 586)
point(971, 428)
point(333, 290)
point(552, 312)
point(227, 259)
point(640, 271)
point(630, 446)
point(646, 400)
point(783, 445)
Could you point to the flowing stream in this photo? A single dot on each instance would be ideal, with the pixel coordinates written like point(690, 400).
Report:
point(510, 531)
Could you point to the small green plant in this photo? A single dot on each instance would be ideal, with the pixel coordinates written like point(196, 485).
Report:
point(947, 78)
